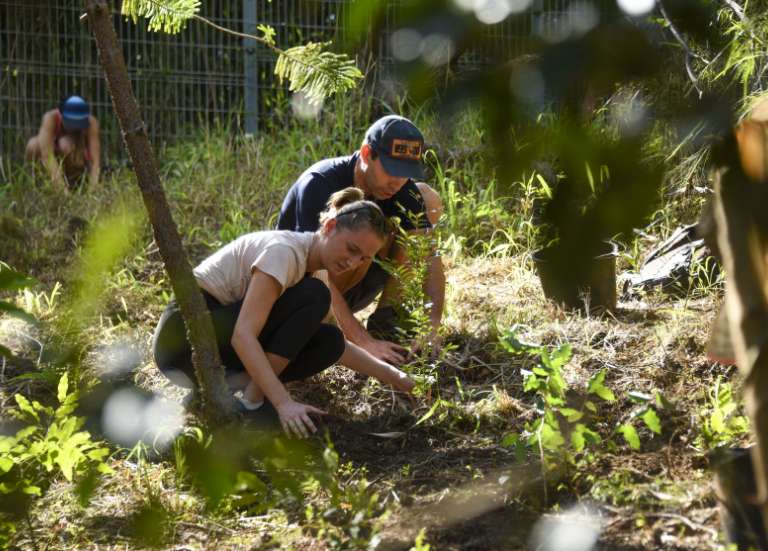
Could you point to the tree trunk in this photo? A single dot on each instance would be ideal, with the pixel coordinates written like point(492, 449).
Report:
point(742, 237)
point(217, 402)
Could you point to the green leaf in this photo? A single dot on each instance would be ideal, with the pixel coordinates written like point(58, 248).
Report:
point(561, 356)
point(595, 386)
point(510, 439)
point(550, 438)
point(429, 414)
point(25, 406)
point(168, 16)
point(63, 387)
point(739, 424)
point(315, 72)
point(66, 459)
point(512, 344)
point(267, 33)
point(583, 435)
point(717, 421)
point(98, 454)
point(6, 464)
point(26, 432)
point(11, 280)
point(630, 436)
point(557, 384)
point(32, 490)
point(591, 436)
point(662, 402)
point(531, 382)
point(577, 439)
point(571, 414)
point(249, 482)
point(652, 421)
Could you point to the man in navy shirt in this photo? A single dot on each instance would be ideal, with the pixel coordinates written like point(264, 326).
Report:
point(384, 168)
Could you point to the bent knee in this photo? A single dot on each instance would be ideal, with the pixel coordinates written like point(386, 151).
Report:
point(32, 151)
point(65, 146)
point(333, 342)
point(318, 293)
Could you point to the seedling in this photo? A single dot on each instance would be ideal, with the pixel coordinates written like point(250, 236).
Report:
point(560, 431)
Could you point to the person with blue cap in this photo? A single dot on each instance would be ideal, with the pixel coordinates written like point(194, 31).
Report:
point(68, 144)
point(386, 168)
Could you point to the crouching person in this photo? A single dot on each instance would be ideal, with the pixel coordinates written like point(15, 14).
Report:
point(268, 311)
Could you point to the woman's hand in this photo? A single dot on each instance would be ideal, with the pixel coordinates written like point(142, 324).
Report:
point(294, 417)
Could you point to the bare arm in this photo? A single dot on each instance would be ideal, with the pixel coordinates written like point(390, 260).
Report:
point(356, 333)
point(434, 288)
point(94, 150)
point(358, 359)
point(262, 293)
point(45, 138)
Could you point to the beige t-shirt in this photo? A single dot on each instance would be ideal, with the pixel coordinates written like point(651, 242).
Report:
point(282, 254)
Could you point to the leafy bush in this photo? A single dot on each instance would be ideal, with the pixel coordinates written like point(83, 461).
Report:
point(560, 430)
point(720, 421)
point(51, 445)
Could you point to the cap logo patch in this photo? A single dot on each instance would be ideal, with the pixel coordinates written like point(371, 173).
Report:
point(406, 149)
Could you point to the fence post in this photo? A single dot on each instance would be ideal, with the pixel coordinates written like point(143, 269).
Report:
point(251, 69)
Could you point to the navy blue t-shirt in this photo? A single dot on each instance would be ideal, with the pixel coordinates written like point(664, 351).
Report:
point(309, 196)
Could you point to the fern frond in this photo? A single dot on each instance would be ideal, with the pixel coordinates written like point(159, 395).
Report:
point(316, 72)
point(168, 16)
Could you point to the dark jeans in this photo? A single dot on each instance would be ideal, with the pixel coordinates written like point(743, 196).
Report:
point(293, 330)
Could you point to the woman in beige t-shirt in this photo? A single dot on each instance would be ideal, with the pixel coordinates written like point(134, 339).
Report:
point(269, 313)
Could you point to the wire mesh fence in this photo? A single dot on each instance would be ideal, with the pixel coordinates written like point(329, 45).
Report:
point(201, 76)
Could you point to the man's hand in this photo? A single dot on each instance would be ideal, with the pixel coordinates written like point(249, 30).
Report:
point(403, 382)
point(433, 342)
point(294, 417)
point(385, 350)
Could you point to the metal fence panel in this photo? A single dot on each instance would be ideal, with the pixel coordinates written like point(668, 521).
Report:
point(199, 77)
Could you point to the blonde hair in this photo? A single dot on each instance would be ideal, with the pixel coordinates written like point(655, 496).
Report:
point(352, 212)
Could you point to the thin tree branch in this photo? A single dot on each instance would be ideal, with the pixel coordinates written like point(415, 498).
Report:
point(692, 75)
point(261, 40)
point(678, 36)
point(738, 10)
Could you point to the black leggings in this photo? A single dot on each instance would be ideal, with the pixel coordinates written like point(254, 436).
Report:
point(293, 330)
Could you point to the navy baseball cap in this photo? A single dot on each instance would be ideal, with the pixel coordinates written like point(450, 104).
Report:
point(74, 113)
point(399, 145)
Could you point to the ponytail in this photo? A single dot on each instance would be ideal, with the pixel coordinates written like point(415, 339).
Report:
point(352, 213)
